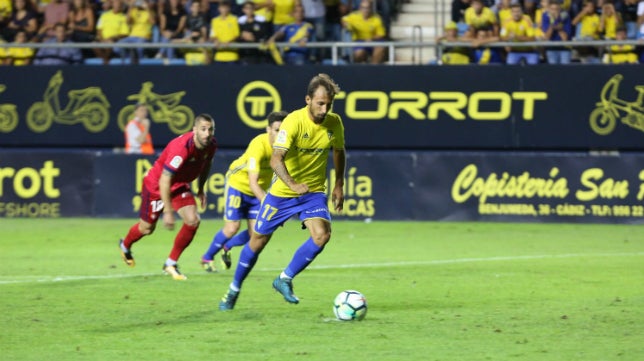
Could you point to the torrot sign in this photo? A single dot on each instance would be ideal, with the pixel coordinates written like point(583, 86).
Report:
point(415, 107)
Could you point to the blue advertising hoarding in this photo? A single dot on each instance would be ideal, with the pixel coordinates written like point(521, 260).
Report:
point(398, 185)
point(383, 108)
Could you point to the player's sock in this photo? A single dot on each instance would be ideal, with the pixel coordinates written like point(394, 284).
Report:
point(247, 259)
point(302, 258)
point(133, 235)
point(217, 242)
point(182, 240)
point(239, 240)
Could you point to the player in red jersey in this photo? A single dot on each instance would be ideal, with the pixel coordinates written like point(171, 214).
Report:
point(166, 188)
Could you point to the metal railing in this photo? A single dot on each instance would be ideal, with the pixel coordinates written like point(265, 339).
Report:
point(336, 47)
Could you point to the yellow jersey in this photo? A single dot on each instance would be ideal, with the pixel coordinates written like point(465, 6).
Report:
point(523, 27)
point(141, 26)
point(111, 24)
point(621, 54)
point(265, 12)
point(538, 20)
point(6, 9)
point(20, 56)
point(225, 30)
point(308, 145)
point(589, 27)
point(282, 12)
point(256, 159)
point(364, 29)
point(485, 18)
point(505, 15)
point(610, 27)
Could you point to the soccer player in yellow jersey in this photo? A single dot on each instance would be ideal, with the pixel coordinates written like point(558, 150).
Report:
point(299, 160)
point(247, 179)
point(224, 29)
point(365, 25)
point(519, 29)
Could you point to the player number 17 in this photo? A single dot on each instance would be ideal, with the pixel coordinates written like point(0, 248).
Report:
point(268, 212)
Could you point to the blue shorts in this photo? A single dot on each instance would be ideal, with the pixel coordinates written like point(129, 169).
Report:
point(368, 49)
point(240, 205)
point(277, 210)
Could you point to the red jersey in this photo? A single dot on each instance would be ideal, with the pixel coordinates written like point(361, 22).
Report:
point(181, 158)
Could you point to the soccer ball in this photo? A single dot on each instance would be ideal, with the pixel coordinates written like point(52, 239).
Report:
point(350, 305)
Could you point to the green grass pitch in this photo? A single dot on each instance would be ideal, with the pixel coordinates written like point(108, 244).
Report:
point(436, 291)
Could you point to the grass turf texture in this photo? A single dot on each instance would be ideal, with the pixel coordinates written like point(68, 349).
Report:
point(436, 291)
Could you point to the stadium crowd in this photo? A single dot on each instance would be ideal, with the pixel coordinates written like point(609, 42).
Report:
point(221, 22)
point(217, 22)
point(484, 22)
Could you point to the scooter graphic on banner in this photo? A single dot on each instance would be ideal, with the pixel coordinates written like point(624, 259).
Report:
point(603, 118)
point(88, 106)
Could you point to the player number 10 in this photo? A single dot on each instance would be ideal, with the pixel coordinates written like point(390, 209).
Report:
point(234, 201)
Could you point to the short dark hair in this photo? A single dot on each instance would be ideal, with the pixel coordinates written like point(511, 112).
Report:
point(323, 80)
point(276, 117)
point(224, 3)
point(204, 117)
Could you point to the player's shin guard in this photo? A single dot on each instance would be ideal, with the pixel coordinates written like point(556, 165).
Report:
point(303, 257)
point(183, 239)
point(247, 259)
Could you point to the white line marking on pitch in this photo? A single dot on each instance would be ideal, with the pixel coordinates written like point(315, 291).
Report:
point(50, 279)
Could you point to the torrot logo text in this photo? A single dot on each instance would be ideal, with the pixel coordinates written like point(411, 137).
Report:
point(375, 105)
point(255, 101)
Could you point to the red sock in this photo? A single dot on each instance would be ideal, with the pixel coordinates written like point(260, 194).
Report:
point(183, 239)
point(132, 236)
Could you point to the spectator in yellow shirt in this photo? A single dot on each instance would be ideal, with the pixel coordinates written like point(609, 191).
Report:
point(457, 55)
point(504, 11)
point(365, 25)
point(587, 23)
point(283, 12)
point(111, 27)
point(6, 9)
point(17, 55)
point(224, 29)
point(519, 29)
point(609, 21)
point(478, 16)
point(621, 54)
point(140, 19)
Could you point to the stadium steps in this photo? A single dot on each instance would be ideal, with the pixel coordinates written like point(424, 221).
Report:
point(419, 20)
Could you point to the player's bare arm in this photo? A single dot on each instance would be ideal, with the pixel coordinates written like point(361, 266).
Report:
point(279, 167)
point(201, 182)
point(340, 162)
point(165, 181)
point(253, 182)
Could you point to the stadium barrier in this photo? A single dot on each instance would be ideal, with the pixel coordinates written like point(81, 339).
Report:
point(383, 107)
point(587, 187)
point(338, 49)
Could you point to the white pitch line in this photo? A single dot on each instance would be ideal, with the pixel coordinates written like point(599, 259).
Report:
point(51, 279)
